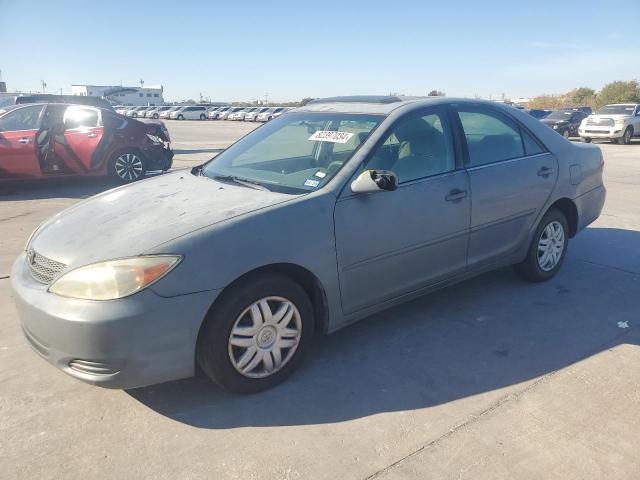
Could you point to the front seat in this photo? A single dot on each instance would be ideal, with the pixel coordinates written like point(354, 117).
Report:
point(422, 151)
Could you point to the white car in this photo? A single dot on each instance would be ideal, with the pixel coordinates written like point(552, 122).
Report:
point(269, 114)
point(156, 111)
point(618, 122)
point(145, 112)
point(227, 115)
point(215, 112)
point(189, 112)
point(252, 115)
point(122, 109)
point(166, 113)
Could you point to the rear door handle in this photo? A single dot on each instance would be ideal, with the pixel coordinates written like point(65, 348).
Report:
point(545, 171)
point(24, 141)
point(92, 135)
point(455, 195)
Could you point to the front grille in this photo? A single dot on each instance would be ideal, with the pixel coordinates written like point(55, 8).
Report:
point(597, 131)
point(43, 269)
point(600, 122)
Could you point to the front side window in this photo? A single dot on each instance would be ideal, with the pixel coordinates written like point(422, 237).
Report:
point(25, 118)
point(417, 147)
point(296, 153)
point(490, 136)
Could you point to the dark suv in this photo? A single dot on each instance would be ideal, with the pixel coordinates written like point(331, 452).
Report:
point(52, 139)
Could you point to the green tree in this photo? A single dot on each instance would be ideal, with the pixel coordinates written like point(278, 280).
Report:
point(304, 101)
point(583, 96)
point(435, 93)
point(619, 92)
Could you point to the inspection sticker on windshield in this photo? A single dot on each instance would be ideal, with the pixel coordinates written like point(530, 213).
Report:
point(331, 136)
point(311, 183)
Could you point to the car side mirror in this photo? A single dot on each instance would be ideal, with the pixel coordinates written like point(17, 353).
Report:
point(371, 181)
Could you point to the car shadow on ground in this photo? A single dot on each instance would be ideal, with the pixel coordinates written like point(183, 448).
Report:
point(491, 332)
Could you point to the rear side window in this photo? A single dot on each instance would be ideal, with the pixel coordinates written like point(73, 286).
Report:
point(490, 137)
point(81, 117)
point(531, 147)
point(25, 118)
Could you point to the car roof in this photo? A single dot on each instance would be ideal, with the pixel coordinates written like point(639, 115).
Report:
point(384, 105)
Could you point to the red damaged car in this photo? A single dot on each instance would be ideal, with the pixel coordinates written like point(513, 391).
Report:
point(54, 139)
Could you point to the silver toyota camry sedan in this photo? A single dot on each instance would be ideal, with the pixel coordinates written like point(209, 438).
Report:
point(317, 219)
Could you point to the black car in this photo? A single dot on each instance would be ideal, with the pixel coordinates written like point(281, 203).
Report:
point(539, 114)
point(565, 121)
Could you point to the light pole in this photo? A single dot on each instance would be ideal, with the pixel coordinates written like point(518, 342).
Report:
point(44, 85)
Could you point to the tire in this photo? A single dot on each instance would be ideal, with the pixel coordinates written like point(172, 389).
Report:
point(180, 117)
point(155, 116)
point(627, 136)
point(535, 268)
point(585, 139)
point(203, 116)
point(566, 134)
point(127, 166)
point(222, 362)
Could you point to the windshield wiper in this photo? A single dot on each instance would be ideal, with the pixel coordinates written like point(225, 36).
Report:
point(241, 181)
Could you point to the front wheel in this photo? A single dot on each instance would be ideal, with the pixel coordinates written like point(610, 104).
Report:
point(566, 134)
point(180, 117)
point(127, 167)
point(203, 116)
point(585, 139)
point(547, 250)
point(155, 116)
point(628, 134)
point(256, 334)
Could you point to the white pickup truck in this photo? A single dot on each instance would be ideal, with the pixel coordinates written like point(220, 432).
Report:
point(618, 122)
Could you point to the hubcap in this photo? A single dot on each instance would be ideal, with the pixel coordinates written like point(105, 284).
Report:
point(128, 166)
point(551, 246)
point(627, 136)
point(264, 337)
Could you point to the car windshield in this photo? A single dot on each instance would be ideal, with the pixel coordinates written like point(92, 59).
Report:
point(560, 115)
point(616, 110)
point(296, 153)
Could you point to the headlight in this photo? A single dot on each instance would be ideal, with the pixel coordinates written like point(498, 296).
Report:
point(619, 121)
point(555, 127)
point(114, 278)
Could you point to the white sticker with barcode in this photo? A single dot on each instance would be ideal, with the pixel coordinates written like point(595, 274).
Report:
point(331, 136)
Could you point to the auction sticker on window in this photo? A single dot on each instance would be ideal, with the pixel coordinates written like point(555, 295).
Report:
point(331, 136)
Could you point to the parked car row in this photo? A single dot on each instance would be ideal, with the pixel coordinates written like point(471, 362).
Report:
point(202, 112)
point(618, 122)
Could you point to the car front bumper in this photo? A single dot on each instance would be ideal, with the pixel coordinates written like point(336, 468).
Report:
point(131, 342)
point(159, 157)
point(599, 132)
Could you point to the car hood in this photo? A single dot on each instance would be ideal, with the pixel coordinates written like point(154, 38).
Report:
point(615, 117)
point(130, 220)
point(553, 121)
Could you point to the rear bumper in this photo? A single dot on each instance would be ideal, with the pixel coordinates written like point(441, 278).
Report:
point(126, 343)
point(590, 206)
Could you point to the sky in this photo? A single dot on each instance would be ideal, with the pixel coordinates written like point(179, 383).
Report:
point(234, 50)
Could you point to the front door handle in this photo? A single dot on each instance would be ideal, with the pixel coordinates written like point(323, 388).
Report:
point(92, 135)
point(545, 171)
point(455, 195)
point(24, 141)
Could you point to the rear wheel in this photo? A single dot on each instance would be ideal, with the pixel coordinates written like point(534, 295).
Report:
point(203, 116)
point(628, 134)
point(127, 167)
point(155, 115)
point(256, 335)
point(547, 250)
point(180, 117)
